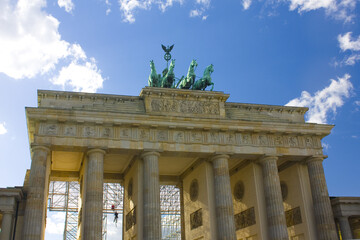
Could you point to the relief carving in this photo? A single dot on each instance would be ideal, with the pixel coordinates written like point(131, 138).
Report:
point(89, 131)
point(213, 137)
point(185, 106)
point(125, 132)
point(293, 217)
point(308, 142)
point(143, 134)
point(196, 219)
point(293, 142)
point(179, 136)
point(196, 137)
point(278, 141)
point(70, 131)
point(106, 132)
point(230, 138)
point(162, 135)
point(131, 219)
point(263, 140)
point(245, 219)
point(51, 129)
point(246, 139)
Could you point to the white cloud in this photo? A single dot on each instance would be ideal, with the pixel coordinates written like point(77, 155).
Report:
point(246, 4)
point(346, 42)
point(67, 4)
point(84, 77)
point(3, 130)
point(30, 43)
point(339, 9)
point(325, 146)
point(129, 7)
point(325, 101)
point(195, 13)
point(352, 59)
point(55, 223)
point(108, 5)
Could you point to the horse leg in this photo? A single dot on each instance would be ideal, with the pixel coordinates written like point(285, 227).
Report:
point(212, 84)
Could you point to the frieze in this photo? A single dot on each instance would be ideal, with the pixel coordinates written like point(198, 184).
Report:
point(185, 106)
point(176, 135)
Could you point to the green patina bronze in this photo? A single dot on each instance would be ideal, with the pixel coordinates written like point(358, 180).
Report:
point(167, 80)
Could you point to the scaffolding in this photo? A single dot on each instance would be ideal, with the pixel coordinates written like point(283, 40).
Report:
point(170, 212)
point(64, 197)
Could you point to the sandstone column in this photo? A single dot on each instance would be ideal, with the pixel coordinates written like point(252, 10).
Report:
point(6, 226)
point(93, 202)
point(223, 198)
point(325, 224)
point(345, 228)
point(273, 198)
point(152, 221)
point(35, 211)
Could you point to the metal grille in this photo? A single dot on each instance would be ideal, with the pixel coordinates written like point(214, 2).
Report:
point(170, 212)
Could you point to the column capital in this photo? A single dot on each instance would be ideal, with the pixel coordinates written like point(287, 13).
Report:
point(45, 148)
point(315, 158)
point(219, 155)
point(265, 158)
point(148, 153)
point(94, 150)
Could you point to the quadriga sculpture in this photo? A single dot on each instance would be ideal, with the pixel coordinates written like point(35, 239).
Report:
point(169, 76)
point(205, 81)
point(154, 78)
point(186, 83)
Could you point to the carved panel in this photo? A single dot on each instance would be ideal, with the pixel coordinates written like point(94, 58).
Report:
point(131, 219)
point(70, 130)
point(185, 106)
point(51, 129)
point(125, 132)
point(143, 134)
point(229, 138)
point(196, 137)
point(246, 138)
point(293, 141)
point(245, 219)
point(162, 135)
point(106, 132)
point(178, 136)
point(213, 137)
point(89, 131)
point(308, 142)
point(196, 219)
point(293, 217)
point(263, 141)
point(278, 140)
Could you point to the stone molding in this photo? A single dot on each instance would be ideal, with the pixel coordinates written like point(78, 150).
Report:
point(149, 153)
point(35, 147)
point(316, 158)
point(179, 135)
point(95, 150)
point(217, 156)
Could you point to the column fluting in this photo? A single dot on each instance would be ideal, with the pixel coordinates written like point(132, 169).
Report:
point(223, 198)
point(324, 218)
point(36, 200)
point(6, 226)
point(152, 221)
point(93, 202)
point(274, 203)
point(345, 228)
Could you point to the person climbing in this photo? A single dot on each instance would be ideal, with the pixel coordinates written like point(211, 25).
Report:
point(116, 216)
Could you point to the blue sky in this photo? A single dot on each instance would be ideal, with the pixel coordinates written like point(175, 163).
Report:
point(297, 52)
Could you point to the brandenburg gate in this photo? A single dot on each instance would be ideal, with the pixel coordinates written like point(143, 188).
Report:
point(245, 171)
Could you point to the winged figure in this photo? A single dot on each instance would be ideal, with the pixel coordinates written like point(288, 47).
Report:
point(167, 49)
